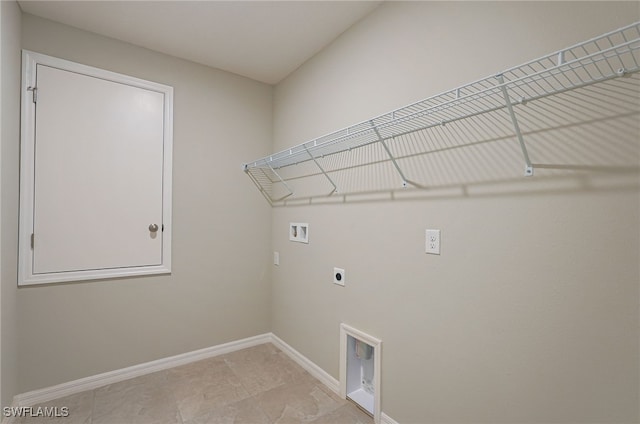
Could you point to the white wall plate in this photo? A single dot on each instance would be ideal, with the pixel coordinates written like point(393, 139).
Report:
point(299, 232)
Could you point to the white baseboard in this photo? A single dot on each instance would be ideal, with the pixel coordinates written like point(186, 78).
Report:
point(385, 419)
point(93, 382)
point(305, 363)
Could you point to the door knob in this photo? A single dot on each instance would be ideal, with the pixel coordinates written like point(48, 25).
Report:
point(153, 228)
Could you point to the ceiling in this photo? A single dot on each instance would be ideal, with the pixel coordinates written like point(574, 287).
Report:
point(261, 40)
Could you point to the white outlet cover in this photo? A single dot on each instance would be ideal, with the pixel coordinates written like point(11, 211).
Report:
point(432, 242)
point(339, 276)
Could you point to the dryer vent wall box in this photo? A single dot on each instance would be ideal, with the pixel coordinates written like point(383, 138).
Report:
point(104, 146)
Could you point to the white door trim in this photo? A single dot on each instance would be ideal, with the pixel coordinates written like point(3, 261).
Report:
point(26, 276)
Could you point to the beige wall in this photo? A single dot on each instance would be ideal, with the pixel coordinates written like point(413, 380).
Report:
point(219, 288)
point(529, 315)
point(531, 312)
point(9, 143)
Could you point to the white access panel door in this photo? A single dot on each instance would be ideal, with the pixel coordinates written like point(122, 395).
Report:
point(98, 173)
point(98, 176)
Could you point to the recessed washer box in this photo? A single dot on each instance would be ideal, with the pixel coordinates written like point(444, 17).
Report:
point(299, 232)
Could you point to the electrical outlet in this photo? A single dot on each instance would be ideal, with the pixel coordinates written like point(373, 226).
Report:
point(338, 276)
point(432, 242)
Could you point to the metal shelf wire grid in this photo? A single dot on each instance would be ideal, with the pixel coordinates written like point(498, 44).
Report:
point(612, 55)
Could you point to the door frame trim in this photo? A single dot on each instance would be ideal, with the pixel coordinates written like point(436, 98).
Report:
point(30, 60)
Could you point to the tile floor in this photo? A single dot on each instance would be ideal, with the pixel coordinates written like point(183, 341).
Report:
point(259, 385)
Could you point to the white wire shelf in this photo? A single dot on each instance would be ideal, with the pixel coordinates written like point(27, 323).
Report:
point(612, 55)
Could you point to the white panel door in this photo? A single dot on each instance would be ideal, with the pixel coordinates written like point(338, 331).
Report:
point(95, 173)
point(98, 173)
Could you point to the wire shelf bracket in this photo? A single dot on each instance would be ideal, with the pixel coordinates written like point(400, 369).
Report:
point(393, 159)
point(612, 55)
point(335, 187)
point(528, 170)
